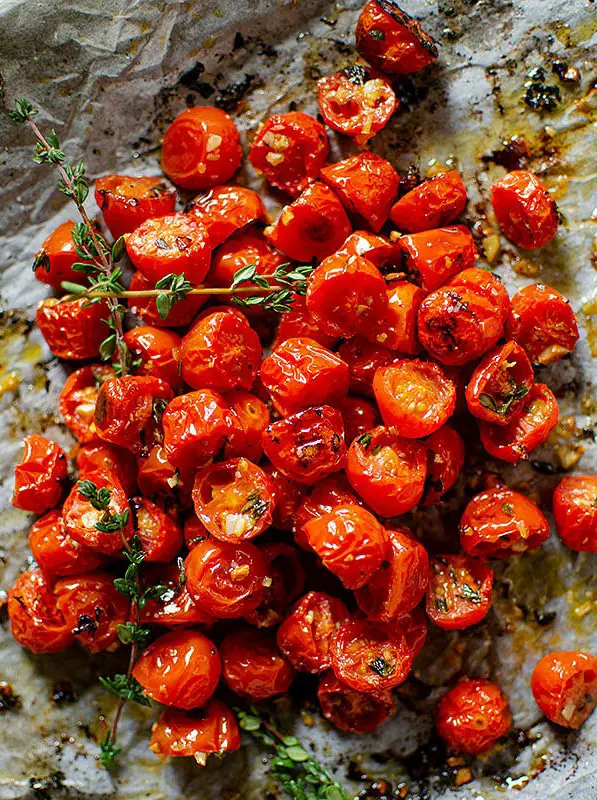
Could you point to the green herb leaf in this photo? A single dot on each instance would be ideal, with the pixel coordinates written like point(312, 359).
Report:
point(108, 752)
point(381, 667)
point(118, 248)
point(129, 633)
point(99, 498)
point(365, 440)
point(127, 688)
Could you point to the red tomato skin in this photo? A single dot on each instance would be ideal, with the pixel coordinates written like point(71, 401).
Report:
point(542, 321)
point(301, 373)
point(352, 711)
point(78, 398)
point(182, 313)
point(39, 475)
point(332, 491)
point(314, 226)
point(159, 480)
point(92, 608)
point(575, 512)
point(157, 350)
point(73, 329)
point(432, 204)
point(195, 426)
point(564, 685)
point(308, 445)
point(35, 621)
point(298, 324)
point(225, 210)
point(363, 358)
point(445, 461)
point(445, 611)
point(247, 246)
point(398, 332)
point(252, 665)
point(126, 202)
point(472, 716)
point(359, 416)
point(288, 496)
point(367, 185)
point(500, 523)
point(403, 47)
point(212, 729)
point(524, 209)
point(104, 456)
point(432, 257)
point(177, 608)
point(180, 669)
point(56, 552)
point(201, 148)
point(54, 262)
point(378, 249)
point(194, 531)
point(288, 581)
point(305, 636)
point(161, 537)
point(505, 372)
point(249, 417)
point(302, 142)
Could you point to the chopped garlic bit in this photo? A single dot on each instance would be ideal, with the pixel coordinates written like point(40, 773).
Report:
point(235, 524)
point(213, 142)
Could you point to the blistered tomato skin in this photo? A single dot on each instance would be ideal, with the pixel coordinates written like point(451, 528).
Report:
point(195, 426)
point(290, 149)
point(378, 249)
point(182, 313)
point(299, 323)
point(323, 497)
point(472, 716)
point(352, 711)
point(201, 148)
point(287, 582)
point(434, 203)
point(288, 496)
point(459, 592)
point(252, 665)
point(36, 623)
point(500, 523)
point(126, 202)
point(524, 209)
point(363, 358)
point(104, 456)
point(39, 475)
point(72, 329)
point(445, 461)
point(78, 398)
point(160, 535)
point(226, 209)
point(432, 257)
point(564, 685)
point(176, 607)
point(499, 384)
point(196, 733)
point(180, 669)
point(359, 416)
point(159, 480)
point(56, 552)
point(54, 262)
point(249, 417)
point(246, 247)
point(155, 348)
point(575, 512)
point(398, 329)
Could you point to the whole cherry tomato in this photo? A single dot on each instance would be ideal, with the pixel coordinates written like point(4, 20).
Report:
point(288, 496)
point(363, 358)
point(196, 733)
point(78, 398)
point(305, 636)
point(245, 248)
point(308, 445)
point(73, 329)
point(249, 417)
point(432, 204)
point(126, 202)
point(445, 461)
point(564, 686)
point(156, 349)
point(194, 531)
point(35, 620)
point(201, 148)
point(298, 324)
point(352, 711)
point(180, 669)
point(312, 227)
point(182, 312)
point(499, 384)
point(56, 552)
point(39, 475)
point(252, 665)
point(104, 456)
point(287, 582)
point(195, 426)
point(459, 592)
point(432, 257)
point(366, 183)
point(524, 209)
point(391, 40)
point(54, 262)
point(160, 480)
point(398, 330)
point(500, 523)
point(575, 512)
point(290, 149)
point(543, 323)
point(472, 716)
point(161, 537)
point(359, 416)
point(332, 491)
point(226, 209)
point(176, 606)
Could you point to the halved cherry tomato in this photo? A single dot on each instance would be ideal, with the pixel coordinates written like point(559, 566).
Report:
point(290, 149)
point(161, 537)
point(387, 471)
point(305, 636)
point(377, 249)
point(287, 582)
point(56, 552)
point(499, 384)
point(312, 227)
point(126, 202)
point(156, 349)
point(288, 496)
point(359, 416)
point(102, 455)
point(252, 665)
point(78, 398)
point(39, 475)
point(201, 148)
point(524, 209)
point(195, 427)
point(432, 204)
point(352, 711)
point(249, 417)
point(398, 329)
point(227, 580)
point(332, 491)
point(298, 323)
point(73, 329)
point(54, 262)
point(575, 512)
point(530, 429)
point(247, 247)
point(564, 686)
point(363, 358)
point(543, 322)
point(180, 669)
point(196, 733)
point(194, 531)
point(500, 523)
point(356, 102)
point(391, 40)
point(234, 499)
point(445, 460)
point(308, 445)
point(432, 257)
point(182, 313)
point(366, 183)
point(459, 592)
point(160, 480)
point(226, 209)
point(472, 716)
point(35, 620)
point(93, 609)
point(302, 373)
point(175, 607)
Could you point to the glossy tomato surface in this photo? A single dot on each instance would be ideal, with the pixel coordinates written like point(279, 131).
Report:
point(398, 330)
point(78, 398)
point(349, 710)
point(54, 262)
point(36, 622)
point(287, 582)
point(105, 456)
point(195, 426)
point(459, 592)
point(524, 209)
point(252, 665)
point(39, 475)
point(182, 312)
point(564, 686)
point(196, 733)
point(157, 351)
point(359, 416)
point(432, 257)
point(73, 329)
point(160, 534)
point(363, 358)
point(496, 390)
point(249, 417)
point(224, 210)
point(575, 512)
point(126, 202)
point(432, 204)
point(472, 716)
point(56, 552)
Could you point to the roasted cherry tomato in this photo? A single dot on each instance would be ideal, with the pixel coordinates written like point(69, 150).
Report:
point(312, 227)
point(543, 322)
point(472, 716)
point(161, 537)
point(233, 499)
point(524, 209)
point(194, 531)
point(288, 496)
point(126, 202)
point(196, 733)
point(156, 349)
point(227, 580)
point(249, 417)
point(201, 148)
point(176, 606)
point(305, 636)
point(290, 149)
point(500, 523)
point(564, 686)
point(195, 427)
point(324, 496)
point(298, 323)
point(387, 471)
point(391, 40)
point(252, 665)
point(378, 249)
point(432, 257)
point(160, 480)
point(180, 669)
point(226, 209)
point(78, 398)
point(499, 384)
point(346, 295)
point(459, 591)
point(97, 513)
point(35, 620)
point(444, 463)
point(356, 102)
point(302, 373)
point(182, 313)
point(245, 248)
point(308, 445)
point(73, 329)
point(366, 183)
point(287, 582)
point(56, 552)
point(352, 711)
point(398, 328)
point(175, 243)
point(363, 358)
point(523, 434)
point(54, 262)
point(39, 475)
point(93, 609)
point(575, 512)
point(359, 416)
point(102, 455)
point(432, 204)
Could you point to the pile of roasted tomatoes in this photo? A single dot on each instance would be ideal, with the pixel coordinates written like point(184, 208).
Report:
point(281, 480)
